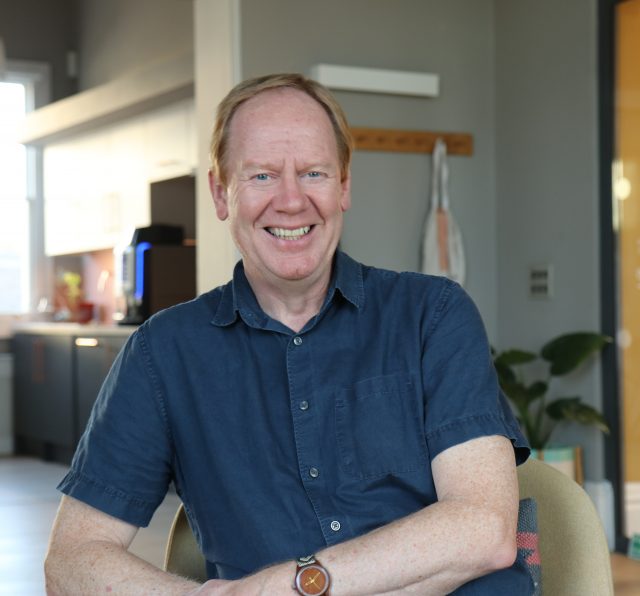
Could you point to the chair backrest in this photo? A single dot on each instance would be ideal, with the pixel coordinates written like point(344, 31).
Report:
point(182, 555)
point(573, 547)
point(574, 554)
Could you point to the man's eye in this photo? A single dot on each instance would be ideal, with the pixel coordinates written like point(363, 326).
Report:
point(314, 174)
point(261, 177)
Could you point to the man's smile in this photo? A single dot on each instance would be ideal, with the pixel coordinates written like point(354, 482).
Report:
point(287, 234)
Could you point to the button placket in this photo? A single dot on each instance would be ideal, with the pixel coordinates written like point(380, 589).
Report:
point(309, 440)
point(305, 431)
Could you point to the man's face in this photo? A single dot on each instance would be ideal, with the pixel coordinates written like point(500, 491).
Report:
point(284, 197)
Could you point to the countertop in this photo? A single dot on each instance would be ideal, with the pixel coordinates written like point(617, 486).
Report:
point(88, 329)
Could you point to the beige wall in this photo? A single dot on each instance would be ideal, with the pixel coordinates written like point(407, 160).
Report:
point(217, 68)
point(118, 36)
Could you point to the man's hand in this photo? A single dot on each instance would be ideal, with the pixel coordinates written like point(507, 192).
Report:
point(88, 555)
point(272, 581)
point(430, 552)
point(214, 587)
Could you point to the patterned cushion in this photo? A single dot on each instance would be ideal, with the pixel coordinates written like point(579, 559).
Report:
point(527, 540)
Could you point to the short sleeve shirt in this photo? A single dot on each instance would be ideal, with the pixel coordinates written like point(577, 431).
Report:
point(282, 443)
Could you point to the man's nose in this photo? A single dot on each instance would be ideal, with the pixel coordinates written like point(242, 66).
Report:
point(290, 195)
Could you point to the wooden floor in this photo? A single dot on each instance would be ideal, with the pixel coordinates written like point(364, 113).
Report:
point(626, 575)
point(28, 502)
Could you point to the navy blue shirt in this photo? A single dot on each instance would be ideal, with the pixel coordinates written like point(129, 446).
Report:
point(282, 443)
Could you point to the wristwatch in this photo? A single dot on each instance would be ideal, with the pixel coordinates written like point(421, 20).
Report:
point(312, 579)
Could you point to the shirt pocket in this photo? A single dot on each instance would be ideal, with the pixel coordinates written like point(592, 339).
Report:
point(378, 427)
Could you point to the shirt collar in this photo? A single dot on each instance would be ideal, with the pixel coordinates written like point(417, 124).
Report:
point(347, 278)
point(238, 297)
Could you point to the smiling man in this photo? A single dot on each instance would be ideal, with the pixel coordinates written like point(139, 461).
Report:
point(331, 428)
point(284, 190)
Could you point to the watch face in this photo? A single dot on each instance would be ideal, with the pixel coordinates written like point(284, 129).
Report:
point(312, 580)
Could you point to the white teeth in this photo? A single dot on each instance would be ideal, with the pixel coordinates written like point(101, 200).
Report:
point(289, 234)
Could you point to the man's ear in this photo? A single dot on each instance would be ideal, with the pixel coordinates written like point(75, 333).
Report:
point(345, 197)
point(219, 195)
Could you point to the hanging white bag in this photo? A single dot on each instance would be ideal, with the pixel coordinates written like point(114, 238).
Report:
point(442, 247)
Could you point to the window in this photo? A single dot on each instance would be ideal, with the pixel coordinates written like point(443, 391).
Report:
point(14, 206)
point(24, 86)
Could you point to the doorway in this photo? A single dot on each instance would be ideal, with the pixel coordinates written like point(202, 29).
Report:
point(626, 226)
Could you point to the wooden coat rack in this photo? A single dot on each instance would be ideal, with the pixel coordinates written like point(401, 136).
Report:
point(410, 141)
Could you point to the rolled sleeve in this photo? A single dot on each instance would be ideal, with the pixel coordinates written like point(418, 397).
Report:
point(123, 462)
point(463, 398)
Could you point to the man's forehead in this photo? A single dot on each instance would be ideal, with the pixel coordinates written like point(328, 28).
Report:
point(283, 103)
point(280, 116)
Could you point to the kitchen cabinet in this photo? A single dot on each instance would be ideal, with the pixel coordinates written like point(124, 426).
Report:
point(96, 184)
point(94, 355)
point(83, 188)
point(72, 192)
point(171, 144)
point(57, 378)
point(43, 394)
point(125, 203)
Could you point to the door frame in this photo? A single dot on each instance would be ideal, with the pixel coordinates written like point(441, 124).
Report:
point(612, 407)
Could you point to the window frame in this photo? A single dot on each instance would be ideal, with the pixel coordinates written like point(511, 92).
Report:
point(36, 78)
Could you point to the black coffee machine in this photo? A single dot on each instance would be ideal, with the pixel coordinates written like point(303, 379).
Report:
point(158, 271)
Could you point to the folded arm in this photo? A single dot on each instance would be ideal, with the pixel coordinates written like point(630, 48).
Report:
point(88, 555)
point(469, 532)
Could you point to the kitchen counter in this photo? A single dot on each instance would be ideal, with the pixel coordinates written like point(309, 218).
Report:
point(58, 371)
point(50, 328)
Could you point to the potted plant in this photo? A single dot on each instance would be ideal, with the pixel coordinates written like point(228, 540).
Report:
point(537, 412)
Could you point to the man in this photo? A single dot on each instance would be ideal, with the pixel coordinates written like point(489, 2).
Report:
point(312, 406)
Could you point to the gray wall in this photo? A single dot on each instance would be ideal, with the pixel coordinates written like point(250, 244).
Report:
point(119, 36)
point(111, 38)
point(547, 180)
point(520, 75)
point(42, 31)
point(452, 38)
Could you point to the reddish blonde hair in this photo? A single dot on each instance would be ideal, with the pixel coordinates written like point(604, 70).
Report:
point(252, 87)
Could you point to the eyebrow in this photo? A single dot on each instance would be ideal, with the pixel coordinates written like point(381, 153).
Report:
point(257, 165)
point(250, 166)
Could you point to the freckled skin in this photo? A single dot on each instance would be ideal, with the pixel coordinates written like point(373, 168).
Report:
point(283, 171)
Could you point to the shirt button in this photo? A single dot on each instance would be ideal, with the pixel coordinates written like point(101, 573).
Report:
point(297, 340)
point(304, 405)
point(335, 526)
point(313, 472)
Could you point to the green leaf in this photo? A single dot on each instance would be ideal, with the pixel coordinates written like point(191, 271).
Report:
point(523, 396)
point(566, 352)
point(536, 390)
point(514, 357)
point(557, 408)
point(517, 393)
point(572, 409)
point(505, 373)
